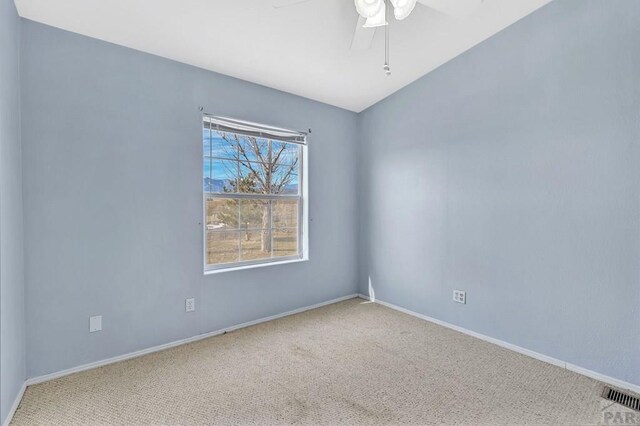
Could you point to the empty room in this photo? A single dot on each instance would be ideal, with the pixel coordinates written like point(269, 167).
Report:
point(319, 212)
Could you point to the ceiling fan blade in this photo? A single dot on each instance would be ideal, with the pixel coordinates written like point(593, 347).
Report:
point(279, 4)
point(455, 8)
point(362, 37)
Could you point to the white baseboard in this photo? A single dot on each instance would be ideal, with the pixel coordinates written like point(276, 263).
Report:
point(541, 357)
point(89, 366)
point(14, 406)
point(603, 378)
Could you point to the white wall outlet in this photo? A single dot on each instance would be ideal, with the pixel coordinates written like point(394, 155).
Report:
point(460, 296)
point(95, 323)
point(190, 305)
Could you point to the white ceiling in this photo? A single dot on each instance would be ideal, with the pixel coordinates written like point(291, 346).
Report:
point(302, 49)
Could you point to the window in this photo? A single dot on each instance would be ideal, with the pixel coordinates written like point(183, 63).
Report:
point(254, 197)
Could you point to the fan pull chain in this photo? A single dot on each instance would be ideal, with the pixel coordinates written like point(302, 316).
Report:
point(387, 69)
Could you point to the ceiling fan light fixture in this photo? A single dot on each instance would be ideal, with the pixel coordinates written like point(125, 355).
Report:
point(402, 8)
point(369, 8)
point(378, 20)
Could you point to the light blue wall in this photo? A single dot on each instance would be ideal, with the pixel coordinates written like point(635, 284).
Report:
point(512, 172)
point(12, 326)
point(113, 201)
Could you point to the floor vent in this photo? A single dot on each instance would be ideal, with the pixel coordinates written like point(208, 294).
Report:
point(621, 398)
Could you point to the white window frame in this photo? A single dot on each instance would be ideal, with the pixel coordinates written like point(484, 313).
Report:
point(302, 196)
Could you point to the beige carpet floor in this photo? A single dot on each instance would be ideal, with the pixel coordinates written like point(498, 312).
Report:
point(353, 362)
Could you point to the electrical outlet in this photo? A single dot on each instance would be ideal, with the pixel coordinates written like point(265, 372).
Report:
point(460, 296)
point(190, 305)
point(95, 323)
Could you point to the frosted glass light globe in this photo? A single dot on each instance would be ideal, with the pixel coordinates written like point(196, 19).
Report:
point(402, 8)
point(369, 8)
point(378, 20)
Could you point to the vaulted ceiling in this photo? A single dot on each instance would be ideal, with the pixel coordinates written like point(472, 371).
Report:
point(303, 48)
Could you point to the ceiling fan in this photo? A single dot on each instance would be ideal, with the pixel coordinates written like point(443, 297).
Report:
point(373, 14)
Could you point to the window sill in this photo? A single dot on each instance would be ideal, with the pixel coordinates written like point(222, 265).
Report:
point(255, 265)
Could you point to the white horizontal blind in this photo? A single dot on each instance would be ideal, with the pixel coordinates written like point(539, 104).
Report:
point(224, 124)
